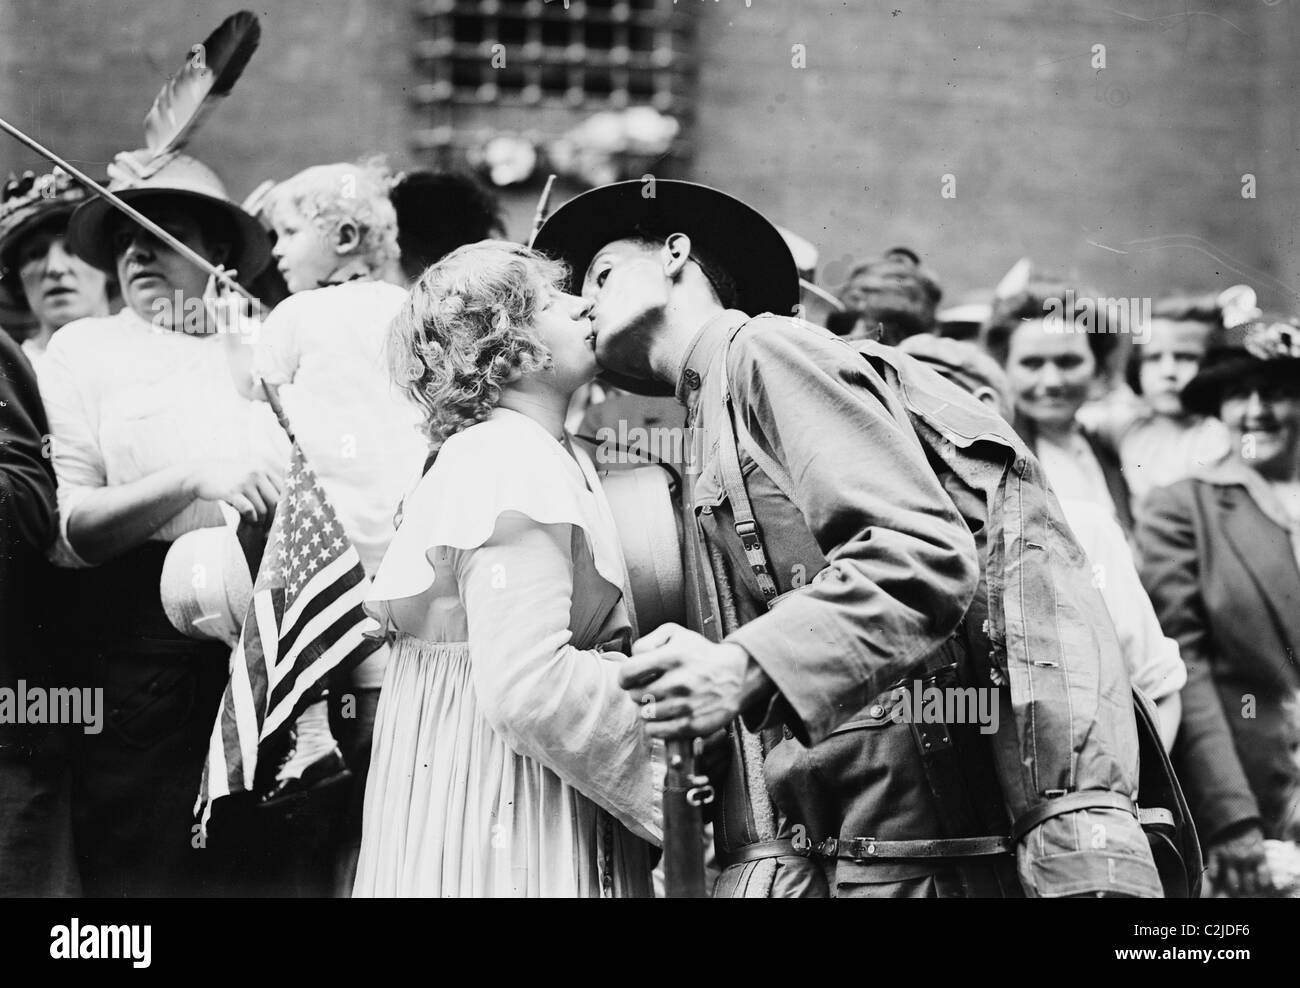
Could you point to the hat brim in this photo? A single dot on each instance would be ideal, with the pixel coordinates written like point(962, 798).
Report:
point(88, 230)
point(725, 230)
point(1203, 394)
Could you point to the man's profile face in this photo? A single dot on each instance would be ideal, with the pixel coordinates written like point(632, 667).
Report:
point(628, 289)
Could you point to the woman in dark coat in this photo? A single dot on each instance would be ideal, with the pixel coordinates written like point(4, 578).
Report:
point(1221, 561)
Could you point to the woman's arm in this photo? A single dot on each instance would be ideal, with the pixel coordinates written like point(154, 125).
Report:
point(1169, 712)
point(1155, 665)
point(554, 703)
point(26, 481)
point(108, 521)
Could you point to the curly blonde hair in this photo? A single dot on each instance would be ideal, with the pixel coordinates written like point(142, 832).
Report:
point(330, 195)
point(466, 331)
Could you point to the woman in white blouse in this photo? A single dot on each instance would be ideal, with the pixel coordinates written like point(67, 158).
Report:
point(149, 435)
point(507, 761)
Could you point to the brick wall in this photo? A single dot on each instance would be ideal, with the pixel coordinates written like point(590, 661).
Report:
point(1051, 158)
point(1131, 176)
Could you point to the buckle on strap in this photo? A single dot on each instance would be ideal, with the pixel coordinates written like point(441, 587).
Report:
point(747, 531)
point(1083, 799)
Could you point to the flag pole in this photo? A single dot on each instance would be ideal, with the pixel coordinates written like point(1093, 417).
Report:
point(180, 248)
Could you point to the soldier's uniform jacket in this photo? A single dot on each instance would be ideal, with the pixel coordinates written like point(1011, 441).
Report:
point(871, 546)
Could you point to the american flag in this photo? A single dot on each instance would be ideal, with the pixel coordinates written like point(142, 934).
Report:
point(305, 621)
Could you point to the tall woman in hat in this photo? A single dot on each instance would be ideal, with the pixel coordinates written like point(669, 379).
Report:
point(507, 761)
point(150, 434)
point(38, 273)
point(1221, 560)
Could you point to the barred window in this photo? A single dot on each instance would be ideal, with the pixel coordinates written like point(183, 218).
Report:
point(539, 68)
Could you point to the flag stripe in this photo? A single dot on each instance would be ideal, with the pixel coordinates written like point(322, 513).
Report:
point(340, 621)
point(325, 590)
point(353, 645)
point(335, 575)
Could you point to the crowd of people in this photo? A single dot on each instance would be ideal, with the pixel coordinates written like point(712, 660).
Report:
point(1079, 516)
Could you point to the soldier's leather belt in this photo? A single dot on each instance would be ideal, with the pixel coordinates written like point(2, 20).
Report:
point(868, 849)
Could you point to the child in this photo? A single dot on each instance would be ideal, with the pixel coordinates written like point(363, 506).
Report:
point(1162, 443)
point(323, 350)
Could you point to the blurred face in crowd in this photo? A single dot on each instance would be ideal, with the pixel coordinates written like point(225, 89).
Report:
point(1050, 374)
point(59, 286)
point(1170, 359)
point(893, 300)
point(304, 254)
point(1263, 419)
point(151, 272)
point(564, 328)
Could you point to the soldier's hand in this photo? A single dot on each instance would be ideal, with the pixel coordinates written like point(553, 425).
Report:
point(1238, 866)
point(687, 686)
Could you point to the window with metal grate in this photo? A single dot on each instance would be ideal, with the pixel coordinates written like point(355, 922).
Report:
point(539, 69)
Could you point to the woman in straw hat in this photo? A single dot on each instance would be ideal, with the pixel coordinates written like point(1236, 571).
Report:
point(150, 435)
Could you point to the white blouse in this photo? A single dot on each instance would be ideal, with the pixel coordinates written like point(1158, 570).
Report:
point(126, 399)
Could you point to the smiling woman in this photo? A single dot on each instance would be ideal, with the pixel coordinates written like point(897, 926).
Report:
point(1221, 560)
point(1052, 372)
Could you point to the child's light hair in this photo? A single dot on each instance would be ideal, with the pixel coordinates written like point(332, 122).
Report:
point(466, 331)
point(330, 195)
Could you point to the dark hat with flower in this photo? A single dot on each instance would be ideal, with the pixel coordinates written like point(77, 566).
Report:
point(1263, 348)
point(28, 202)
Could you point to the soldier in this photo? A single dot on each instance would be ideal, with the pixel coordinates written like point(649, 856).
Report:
point(868, 588)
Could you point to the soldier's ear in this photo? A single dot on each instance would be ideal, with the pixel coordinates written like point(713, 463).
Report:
point(676, 252)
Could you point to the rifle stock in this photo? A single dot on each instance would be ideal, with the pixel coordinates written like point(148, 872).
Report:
point(684, 794)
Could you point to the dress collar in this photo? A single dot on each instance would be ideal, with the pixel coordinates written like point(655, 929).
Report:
point(699, 354)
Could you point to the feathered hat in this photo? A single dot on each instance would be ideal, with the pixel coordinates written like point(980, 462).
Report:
point(159, 170)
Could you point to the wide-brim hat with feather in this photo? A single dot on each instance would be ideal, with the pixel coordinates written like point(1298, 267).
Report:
point(1265, 348)
point(178, 178)
point(730, 233)
point(28, 203)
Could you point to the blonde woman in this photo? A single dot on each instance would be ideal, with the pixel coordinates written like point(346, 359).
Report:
point(507, 761)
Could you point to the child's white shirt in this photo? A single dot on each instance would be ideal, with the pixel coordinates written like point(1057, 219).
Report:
point(325, 350)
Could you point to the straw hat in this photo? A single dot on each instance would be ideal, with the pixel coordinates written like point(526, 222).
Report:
point(177, 176)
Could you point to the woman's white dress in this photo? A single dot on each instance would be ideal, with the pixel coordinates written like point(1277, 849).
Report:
point(507, 761)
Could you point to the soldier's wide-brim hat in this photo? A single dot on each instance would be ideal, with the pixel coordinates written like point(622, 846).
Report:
point(181, 178)
point(725, 230)
point(1265, 349)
